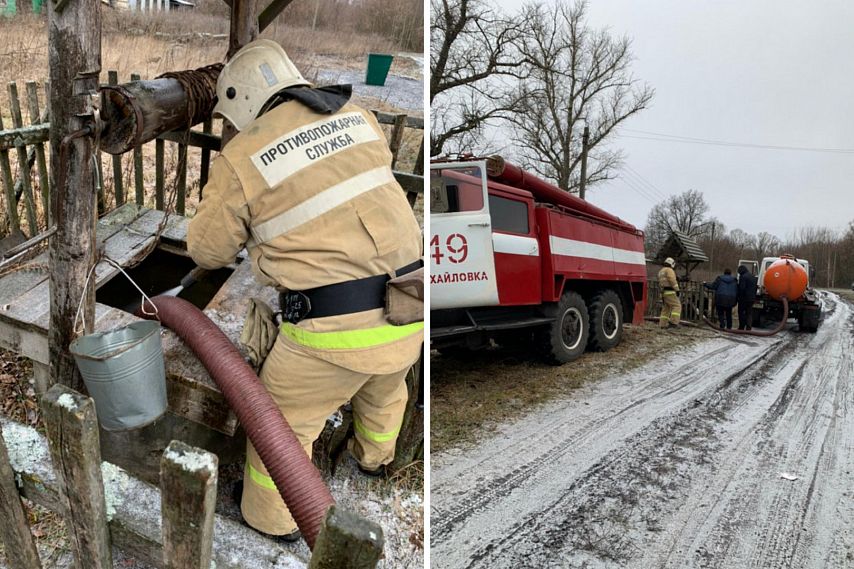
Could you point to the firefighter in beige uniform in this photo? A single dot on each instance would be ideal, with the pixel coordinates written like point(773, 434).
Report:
point(307, 188)
point(671, 308)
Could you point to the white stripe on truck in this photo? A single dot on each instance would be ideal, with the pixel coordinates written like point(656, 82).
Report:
point(573, 248)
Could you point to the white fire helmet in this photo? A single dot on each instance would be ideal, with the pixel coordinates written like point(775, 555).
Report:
point(670, 262)
point(253, 75)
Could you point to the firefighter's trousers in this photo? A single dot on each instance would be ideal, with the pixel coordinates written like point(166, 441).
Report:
point(308, 390)
point(671, 308)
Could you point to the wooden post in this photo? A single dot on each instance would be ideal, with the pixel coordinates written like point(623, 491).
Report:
point(138, 181)
point(188, 479)
point(72, 432)
point(74, 55)
point(244, 24)
point(585, 141)
point(244, 29)
point(347, 541)
point(18, 542)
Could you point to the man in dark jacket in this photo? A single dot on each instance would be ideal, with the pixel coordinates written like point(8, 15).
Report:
point(746, 296)
point(726, 292)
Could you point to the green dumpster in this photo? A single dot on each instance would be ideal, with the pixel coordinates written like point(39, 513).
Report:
point(37, 6)
point(10, 9)
point(378, 66)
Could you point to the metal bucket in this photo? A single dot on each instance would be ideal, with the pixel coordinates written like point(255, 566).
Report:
point(124, 373)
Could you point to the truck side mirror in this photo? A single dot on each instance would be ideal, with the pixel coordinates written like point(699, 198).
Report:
point(438, 196)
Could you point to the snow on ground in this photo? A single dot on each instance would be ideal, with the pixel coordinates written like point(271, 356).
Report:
point(398, 512)
point(403, 92)
point(675, 465)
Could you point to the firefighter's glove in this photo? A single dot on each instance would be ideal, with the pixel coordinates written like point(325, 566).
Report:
point(259, 332)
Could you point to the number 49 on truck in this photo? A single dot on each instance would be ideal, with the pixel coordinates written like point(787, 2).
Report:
point(516, 259)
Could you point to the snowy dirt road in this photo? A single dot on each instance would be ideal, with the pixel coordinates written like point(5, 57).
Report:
point(676, 465)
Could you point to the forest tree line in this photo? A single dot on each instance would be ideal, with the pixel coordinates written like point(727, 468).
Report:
point(830, 251)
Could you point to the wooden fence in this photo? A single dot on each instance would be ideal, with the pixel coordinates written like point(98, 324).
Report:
point(120, 179)
point(695, 299)
point(103, 507)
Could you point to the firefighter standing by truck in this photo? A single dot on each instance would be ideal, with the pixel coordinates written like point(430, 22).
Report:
point(671, 308)
point(306, 186)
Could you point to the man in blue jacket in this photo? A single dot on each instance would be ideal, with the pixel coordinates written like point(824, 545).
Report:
point(726, 293)
point(746, 297)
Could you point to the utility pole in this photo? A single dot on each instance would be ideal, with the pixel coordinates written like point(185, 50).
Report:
point(585, 141)
point(74, 57)
point(712, 252)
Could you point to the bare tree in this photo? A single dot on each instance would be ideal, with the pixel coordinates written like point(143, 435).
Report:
point(766, 245)
point(579, 77)
point(685, 212)
point(473, 52)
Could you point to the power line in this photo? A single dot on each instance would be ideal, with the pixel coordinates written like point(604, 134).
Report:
point(652, 187)
point(662, 137)
point(639, 191)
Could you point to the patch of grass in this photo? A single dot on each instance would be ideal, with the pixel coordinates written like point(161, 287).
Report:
point(472, 395)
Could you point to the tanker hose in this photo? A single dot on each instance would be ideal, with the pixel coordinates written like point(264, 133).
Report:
point(298, 481)
point(779, 327)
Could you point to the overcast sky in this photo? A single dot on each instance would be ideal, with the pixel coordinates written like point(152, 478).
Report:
point(748, 71)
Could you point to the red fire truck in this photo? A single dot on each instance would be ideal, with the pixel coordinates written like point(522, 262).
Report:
point(515, 259)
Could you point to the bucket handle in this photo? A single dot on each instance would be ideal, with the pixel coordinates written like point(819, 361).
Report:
point(145, 298)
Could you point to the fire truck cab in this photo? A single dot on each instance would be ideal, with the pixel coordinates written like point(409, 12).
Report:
point(507, 266)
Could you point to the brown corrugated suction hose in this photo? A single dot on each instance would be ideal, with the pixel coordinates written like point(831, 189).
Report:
point(298, 481)
point(761, 333)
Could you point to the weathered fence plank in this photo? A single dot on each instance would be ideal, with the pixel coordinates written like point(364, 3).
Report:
point(396, 137)
point(389, 118)
point(159, 150)
point(8, 183)
point(23, 167)
point(41, 159)
point(188, 480)
point(118, 181)
point(695, 300)
point(411, 183)
point(20, 550)
point(134, 522)
point(27, 135)
point(72, 430)
point(347, 541)
point(205, 166)
point(181, 182)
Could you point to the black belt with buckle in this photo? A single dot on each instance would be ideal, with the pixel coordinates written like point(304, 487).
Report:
point(339, 298)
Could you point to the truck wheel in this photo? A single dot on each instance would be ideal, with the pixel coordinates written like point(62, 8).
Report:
point(606, 321)
point(565, 339)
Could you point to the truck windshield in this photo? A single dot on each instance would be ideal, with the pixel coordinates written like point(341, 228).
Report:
point(456, 189)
